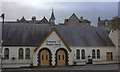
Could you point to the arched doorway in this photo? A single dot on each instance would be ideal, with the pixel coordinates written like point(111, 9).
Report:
point(44, 57)
point(61, 57)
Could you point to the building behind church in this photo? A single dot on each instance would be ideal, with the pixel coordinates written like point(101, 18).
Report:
point(119, 8)
point(108, 24)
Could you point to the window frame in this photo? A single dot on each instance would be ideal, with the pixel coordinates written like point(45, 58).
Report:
point(98, 53)
point(73, 22)
point(83, 54)
point(27, 53)
point(77, 54)
point(6, 56)
point(21, 54)
point(93, 54)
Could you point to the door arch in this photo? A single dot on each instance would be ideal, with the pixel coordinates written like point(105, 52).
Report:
point(44, 57)
point(61, 57)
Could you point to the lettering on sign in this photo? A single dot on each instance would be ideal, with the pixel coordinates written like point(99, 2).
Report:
point(53, 43)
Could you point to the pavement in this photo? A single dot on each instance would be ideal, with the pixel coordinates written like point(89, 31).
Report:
point(86, 68)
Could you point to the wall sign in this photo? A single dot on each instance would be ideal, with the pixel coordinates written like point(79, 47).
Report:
point(53, 43)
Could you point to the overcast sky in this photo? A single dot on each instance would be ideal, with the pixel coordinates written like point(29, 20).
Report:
point(62, 10)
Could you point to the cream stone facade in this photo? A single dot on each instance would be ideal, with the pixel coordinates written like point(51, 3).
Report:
point(13, 60)
point(103, 54)
point(53, 49)
point(114, 35)
point(54, 42)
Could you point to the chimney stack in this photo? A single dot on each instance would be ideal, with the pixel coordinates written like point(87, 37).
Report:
point(17, 20)
point(98, 21)
point(33, 19)
point(81, 17)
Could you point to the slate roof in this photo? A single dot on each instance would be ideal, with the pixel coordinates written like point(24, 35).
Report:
point(84, 21)
point(29, 21)
point(32, 35)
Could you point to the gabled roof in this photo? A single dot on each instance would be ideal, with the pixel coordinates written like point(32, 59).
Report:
point(23, 20)
point(80, 20)
point(33, 34)
point(44, 20)
point(54, 29)
point(73, 15)
point(84, 21)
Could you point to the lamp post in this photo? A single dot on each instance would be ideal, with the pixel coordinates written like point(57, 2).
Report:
point(3, 17)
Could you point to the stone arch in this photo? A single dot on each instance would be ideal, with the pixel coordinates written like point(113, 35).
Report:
point(50, 56)
point(66, 56)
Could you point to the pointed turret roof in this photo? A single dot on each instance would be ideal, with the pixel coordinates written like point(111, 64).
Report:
point(52, 15)
point(73, 15)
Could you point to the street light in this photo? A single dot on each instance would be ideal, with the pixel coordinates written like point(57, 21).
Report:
point(3, 17)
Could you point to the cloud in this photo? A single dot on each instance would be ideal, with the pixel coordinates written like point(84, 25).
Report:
point(60, 0)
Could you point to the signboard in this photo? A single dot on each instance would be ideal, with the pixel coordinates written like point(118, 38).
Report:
point(53, 43)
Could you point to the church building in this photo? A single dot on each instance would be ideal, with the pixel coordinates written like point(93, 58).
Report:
point(26, 44)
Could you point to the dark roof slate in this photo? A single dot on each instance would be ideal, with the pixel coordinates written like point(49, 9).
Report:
point(33, 34)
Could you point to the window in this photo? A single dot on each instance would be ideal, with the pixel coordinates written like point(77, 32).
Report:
point(93, 54)
point(20, 53)
point(77, 54)
point(63, 57)
point(83, 54)
point(42, 57)
point(6, 53)
point(98, 54)
point(59, 57)
point(46, 57)
point(27, 53)
point(73, 21)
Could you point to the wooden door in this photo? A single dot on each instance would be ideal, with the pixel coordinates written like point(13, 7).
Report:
point(109, 56)
point(44, 58)
point(61, 58)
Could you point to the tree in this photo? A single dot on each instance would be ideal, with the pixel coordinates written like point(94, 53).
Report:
point(116, 23)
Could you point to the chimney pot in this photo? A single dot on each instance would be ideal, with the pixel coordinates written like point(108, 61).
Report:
point(33, 19)
point(81, 17)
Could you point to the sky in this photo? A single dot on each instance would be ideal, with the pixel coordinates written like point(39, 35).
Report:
point(62, 10)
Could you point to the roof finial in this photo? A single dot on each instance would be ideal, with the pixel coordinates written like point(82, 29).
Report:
point(52, 19)
point(52, 9)
point(52, 15)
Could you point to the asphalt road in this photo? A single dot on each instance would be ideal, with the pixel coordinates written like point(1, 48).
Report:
point(86, 68)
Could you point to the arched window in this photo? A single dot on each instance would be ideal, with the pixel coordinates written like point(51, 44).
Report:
point(6, 53)
point(27, 53)
point(93, 54)
point(77, 54)
point(83, 54)
point(98, 54)
point(20, 53)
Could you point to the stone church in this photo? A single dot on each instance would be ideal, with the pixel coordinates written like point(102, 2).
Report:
point(42, 43)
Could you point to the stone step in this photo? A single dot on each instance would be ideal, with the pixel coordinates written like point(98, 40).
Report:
point(15, 65)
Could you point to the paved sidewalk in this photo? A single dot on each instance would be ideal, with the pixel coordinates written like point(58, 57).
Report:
point(87, 68)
